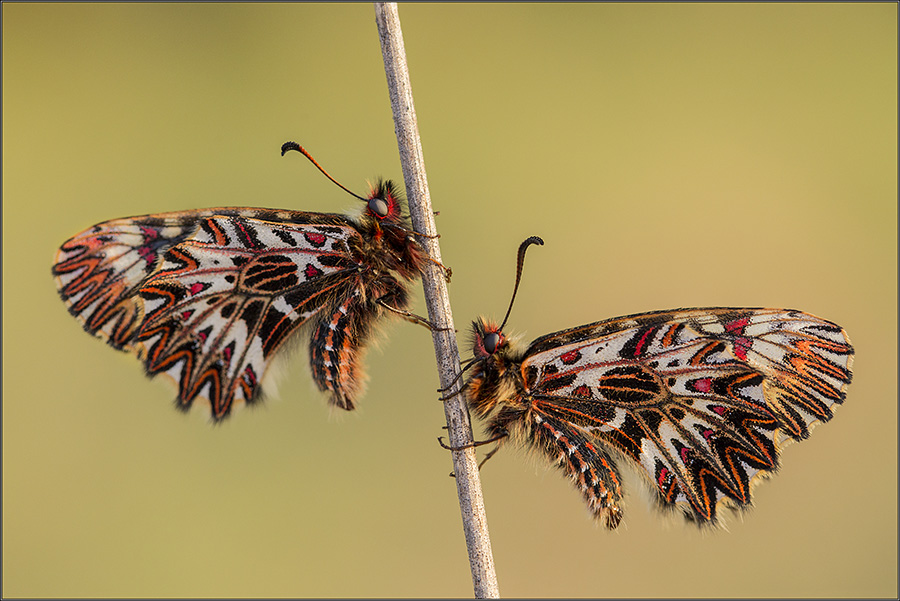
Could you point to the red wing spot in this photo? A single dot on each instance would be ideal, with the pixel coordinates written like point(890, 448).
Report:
point(583, 392)
point(226, 354)
point(707, 434)
point(663, 477)
point(702, 385)
point(146, 254)
point(645, 339)
point(685, 454)
point(187, 315)
point(737, 326)
point(571, 357)
point(250, 376)
point(197, 288)
point(317, 240)
point(718, 409)
point(246, 237)
point(145, 251)
point(741, 346)
point(311, 271)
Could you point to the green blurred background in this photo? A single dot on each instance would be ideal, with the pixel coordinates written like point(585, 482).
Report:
point(670, 155)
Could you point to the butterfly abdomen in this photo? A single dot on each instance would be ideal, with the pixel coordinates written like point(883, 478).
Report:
point(387, 258)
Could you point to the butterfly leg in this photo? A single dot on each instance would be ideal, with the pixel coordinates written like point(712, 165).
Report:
point(468, 364)
point(446, 398)
point(483, 442)
point(452, 395)
point(475, 444)
point(429, 236)
point(488, 456)
point(413, 317)
point(448, 273)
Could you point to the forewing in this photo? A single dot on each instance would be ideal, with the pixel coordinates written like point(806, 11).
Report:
point(221, 300)
point(701, 399)
point(98, 271)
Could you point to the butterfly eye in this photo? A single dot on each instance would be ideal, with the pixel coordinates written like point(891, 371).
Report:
point(491, 341)
point(378, 206)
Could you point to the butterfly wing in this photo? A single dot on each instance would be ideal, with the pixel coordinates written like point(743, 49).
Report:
point(97, 272)
point(207, 297)
point(702, 400)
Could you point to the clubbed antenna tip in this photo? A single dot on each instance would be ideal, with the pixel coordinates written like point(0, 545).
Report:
point(520, 261)
point(294, 146)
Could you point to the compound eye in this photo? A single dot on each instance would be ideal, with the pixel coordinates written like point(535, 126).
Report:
point(491, 341)
point(378, 206)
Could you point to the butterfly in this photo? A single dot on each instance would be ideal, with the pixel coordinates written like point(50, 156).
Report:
point(208, 297)
point(701, 401)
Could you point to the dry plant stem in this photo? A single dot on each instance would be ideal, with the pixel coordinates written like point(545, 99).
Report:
point(465, 465)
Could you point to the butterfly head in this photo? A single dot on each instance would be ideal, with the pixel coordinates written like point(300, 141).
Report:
point(384, 202)
point(492, 378)
point(487, 339)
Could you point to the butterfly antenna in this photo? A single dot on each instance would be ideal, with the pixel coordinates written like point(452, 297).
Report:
point(294, 146)
point(520, 261)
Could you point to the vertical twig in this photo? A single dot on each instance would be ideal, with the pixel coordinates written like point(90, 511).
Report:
point(465, 466)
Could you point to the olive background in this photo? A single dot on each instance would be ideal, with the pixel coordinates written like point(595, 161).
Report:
point(670, 155)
